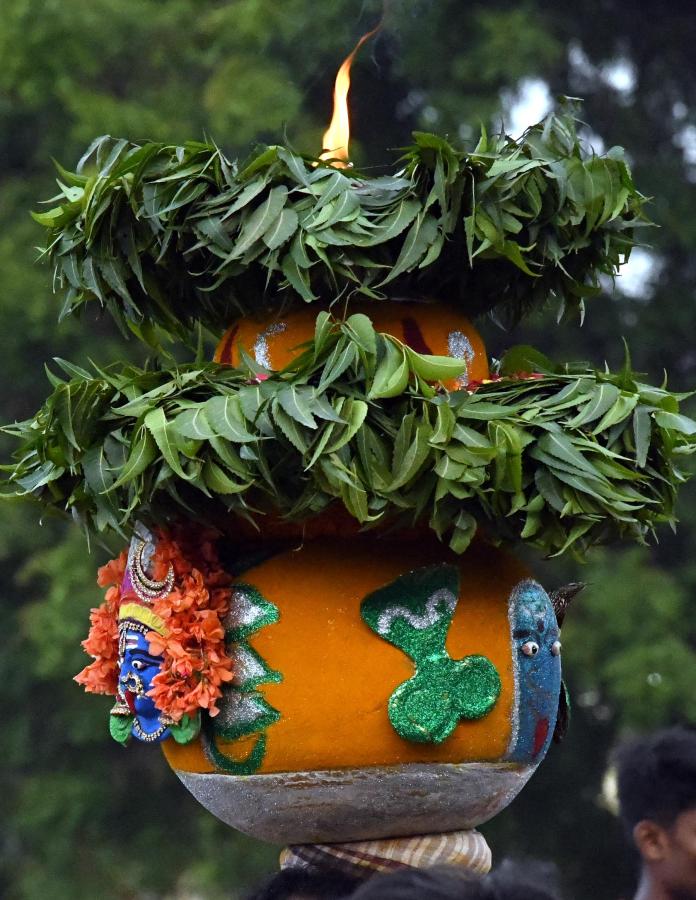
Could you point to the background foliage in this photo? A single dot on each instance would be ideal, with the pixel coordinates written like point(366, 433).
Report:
point(86, 818)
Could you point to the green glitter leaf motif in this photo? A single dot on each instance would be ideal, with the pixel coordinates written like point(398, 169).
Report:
point(414, 613)
point(243, 709)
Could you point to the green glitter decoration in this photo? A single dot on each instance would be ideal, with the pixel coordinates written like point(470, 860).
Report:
point(186, 729)
point(243, 709)
point(414, 613)
point(120, 728)
point(248, 766)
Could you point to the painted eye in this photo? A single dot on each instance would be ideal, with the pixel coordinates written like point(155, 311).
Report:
point(530, 648)
point(138, 665)
point(556, 648)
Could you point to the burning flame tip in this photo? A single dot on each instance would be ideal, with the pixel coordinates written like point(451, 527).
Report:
point(337, 135)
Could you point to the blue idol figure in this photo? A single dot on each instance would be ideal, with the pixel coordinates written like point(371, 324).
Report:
point(138, 668)
point(540, 701)
point(135, 713)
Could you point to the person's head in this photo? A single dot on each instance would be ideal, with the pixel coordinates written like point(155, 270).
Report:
point(306, 884)
point(511, 881)
point(436, 883)
point(657, 798)
point(530, 879)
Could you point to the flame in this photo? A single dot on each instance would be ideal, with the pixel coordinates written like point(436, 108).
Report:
point(335, 141)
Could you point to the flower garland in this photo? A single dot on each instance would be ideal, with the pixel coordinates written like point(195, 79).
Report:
point(194, 663)
point(101, 643)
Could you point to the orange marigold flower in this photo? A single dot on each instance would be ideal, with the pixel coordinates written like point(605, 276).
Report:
point(113, 571)
point(156, 643)
point(99, 677)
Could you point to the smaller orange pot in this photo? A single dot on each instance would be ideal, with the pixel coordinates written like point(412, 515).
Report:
point(431, 328)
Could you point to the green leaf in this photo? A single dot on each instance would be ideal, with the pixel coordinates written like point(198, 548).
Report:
point(156, 423)
point(642, 428)
point(282, 229)
point(622, 409)
point(186, 729)
point(296, 403)
point(603, 398)
point(297, 278)
point(464, 530)
point(225, 418)
point(219, 482)
point(391, 376)
point(513, 252)
point(143, 452)
point(260, 221)
point(42, 475)
point(410, 464)
point(558, 444)
point(192, 423)
point(524, 358)
point(120, 728)
point(400, 219)
point(98, 473)
point(419, 238)
point(360, 327)
point(675, 422)
point(549, 489)
point(354, 411)
point(322, 329)
point(290, 427)
point(435, 368)
point(341, 358)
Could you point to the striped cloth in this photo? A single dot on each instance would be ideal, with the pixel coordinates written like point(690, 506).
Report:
point(362, 859)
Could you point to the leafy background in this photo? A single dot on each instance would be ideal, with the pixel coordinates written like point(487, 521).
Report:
point(82, 817)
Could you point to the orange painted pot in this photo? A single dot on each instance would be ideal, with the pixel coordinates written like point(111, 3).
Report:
point(431, 328)
point(379, 691)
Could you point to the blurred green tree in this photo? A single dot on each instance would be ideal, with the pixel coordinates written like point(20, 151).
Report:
point(82, 818)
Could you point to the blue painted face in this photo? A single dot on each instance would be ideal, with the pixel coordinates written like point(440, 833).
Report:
point(536, 652)
point(138, 668)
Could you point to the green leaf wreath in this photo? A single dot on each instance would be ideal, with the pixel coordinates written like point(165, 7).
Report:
point(170, 240)
point(165, 237)
point(558, 457)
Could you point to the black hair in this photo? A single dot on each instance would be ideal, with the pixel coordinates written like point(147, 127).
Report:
point(310, 884)
point(436, 883)
point(511, 881)
point(523, 880)
point(657, 777)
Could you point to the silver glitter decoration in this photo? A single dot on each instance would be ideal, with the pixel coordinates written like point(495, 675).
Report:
point(239, 708)
point(440, 605)
point(459, 347)
point(243, 611)
point(247, 666)
point(261, 343)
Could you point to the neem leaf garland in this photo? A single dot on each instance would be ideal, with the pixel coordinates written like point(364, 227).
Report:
point(566, 458)
point(175, 236)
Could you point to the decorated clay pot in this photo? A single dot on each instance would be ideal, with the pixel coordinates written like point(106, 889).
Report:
point(314, 683)
point(382, 687)
point(427, 327)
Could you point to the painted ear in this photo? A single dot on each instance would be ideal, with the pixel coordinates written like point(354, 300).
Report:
point(563, 596)
point(563, 716)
